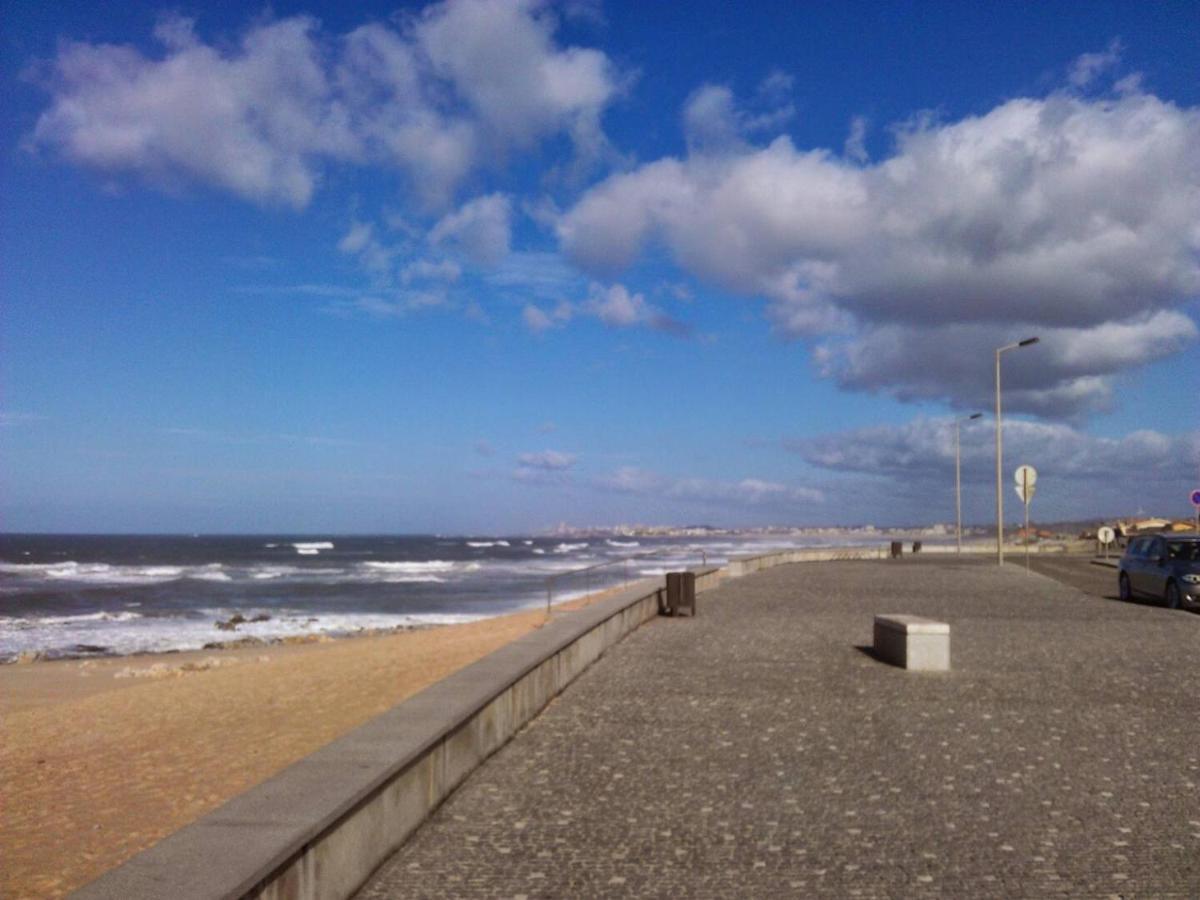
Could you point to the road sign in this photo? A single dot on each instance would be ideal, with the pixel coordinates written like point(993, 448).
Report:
point(1196, 498)
point(1025, 475)
point(1025, 492)
point(1106, 535)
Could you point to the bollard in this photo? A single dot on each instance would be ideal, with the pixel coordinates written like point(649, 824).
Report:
point(916, 546)
point(897, 549)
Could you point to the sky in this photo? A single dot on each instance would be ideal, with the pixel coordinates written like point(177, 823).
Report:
point(485, 267)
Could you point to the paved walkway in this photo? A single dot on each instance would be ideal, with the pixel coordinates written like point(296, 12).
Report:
point(759, 751)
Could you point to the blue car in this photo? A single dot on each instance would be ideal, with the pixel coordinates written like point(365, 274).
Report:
point(1162, 567)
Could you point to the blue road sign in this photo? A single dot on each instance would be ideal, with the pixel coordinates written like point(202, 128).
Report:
point(1195, 498)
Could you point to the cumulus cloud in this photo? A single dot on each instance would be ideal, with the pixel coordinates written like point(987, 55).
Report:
point(254, 120)
point(924, 448)
point(449, 90)
point(752, 492)
point(1065, 375)
point(905, 472)
point(548, 467)
point(1074, 218)
point(715, 123)
point(1089, 66)
point(614, 306)
point(480, 228)
point(547, 459)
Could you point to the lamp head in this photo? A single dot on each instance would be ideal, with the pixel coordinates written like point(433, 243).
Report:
point(1027, 342)
point(975, 416)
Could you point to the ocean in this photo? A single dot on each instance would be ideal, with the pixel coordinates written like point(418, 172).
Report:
point(89, 595)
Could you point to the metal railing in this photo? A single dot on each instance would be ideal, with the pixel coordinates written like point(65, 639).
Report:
point(623, 561)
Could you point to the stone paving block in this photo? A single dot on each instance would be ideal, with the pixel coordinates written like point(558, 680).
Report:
point(763, 751)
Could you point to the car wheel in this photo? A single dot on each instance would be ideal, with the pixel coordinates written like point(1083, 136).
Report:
point(1172, 596)
point(1123, 588)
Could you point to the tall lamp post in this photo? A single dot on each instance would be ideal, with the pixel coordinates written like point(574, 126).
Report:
point(958, 473)
point(1000, 451)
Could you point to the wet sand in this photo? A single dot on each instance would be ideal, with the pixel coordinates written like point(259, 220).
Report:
point(99, 759)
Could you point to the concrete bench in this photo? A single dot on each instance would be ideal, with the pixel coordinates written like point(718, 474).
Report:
point(912, 642)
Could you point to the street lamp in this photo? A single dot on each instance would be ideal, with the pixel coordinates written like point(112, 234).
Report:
point(1000, 452)
point(958, 472)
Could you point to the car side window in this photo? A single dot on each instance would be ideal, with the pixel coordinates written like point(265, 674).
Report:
point(1155, 549)
point(1137, 549)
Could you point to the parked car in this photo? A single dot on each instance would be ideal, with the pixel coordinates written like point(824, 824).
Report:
point(1163, 567)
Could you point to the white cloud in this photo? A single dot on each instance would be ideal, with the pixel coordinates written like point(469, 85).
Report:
point(924, 448)
point(389, 305)
point(1089, 66)
point(1066, 216)
point(751, 492)
point(617, 308)
point(614, 306)
point(458, 87)
point(539, 320)
point(1066, 374)
point(480, 228)
point(548, 459)
point(548, 467)
point(357, 238)
point(501, 59)
point(255, 120)
point(855, 147)
point(445, 270)
point(714, 123)
point(710, 120)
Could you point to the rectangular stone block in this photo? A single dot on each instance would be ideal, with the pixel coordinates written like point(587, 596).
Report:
point(912, 642)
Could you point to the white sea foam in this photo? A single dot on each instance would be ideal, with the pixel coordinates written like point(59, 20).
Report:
point(613, 543)
point(539, 551)
point(570, 548)
point(312, 548)
point(101, 573)
point(127, 633)
point(481, 544)
point(24, 623)
point(432, 565)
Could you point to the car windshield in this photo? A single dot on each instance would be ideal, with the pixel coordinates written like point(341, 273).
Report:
point(1186, 550)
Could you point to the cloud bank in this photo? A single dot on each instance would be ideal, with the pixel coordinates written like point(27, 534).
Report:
point(749, 492)
point(1073, 217)
point(924, 448)
point(437, 96)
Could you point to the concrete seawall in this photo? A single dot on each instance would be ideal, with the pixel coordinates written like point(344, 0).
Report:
point(320, 827)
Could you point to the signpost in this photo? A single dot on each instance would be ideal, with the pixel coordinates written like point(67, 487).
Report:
point(1026, 479)
point(1105, 536)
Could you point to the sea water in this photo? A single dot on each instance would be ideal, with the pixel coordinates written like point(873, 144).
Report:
point(83, 595)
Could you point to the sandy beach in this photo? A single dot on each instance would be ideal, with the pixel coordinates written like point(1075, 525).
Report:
point(102, 758)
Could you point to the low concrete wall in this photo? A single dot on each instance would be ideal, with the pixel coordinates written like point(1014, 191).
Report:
point(320, 827)
point(744, 565)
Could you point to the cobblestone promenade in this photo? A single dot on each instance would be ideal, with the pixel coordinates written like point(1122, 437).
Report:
point(760, 751)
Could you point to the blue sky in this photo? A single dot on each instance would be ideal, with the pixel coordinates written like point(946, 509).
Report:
point(486, 267)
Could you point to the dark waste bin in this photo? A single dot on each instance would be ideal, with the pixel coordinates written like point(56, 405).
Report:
point(897, 549)
point(681, 593)
point(916, 546)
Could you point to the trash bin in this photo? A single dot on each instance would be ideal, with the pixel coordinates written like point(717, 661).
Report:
point(897, 549)
point(916, 546)
point(681, 593)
